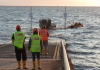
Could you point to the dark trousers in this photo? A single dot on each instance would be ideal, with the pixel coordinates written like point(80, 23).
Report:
point(35, 53)
point(20, 54)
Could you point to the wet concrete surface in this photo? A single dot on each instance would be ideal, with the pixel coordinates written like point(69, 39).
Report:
point(8, 51)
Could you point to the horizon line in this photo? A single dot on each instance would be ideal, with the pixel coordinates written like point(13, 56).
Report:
point(54, 5)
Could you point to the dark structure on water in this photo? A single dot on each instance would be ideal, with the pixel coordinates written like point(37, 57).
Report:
point(47, 23)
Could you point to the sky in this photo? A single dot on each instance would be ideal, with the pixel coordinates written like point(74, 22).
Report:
point(50, 2)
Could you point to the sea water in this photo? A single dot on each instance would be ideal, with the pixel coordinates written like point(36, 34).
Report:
point(83, 43)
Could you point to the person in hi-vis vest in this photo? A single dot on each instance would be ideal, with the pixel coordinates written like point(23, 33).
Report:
point(44, 34)
point(35, 46)
point(18, 39)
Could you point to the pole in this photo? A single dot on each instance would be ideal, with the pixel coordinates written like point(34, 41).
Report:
point(31, 17)
point(65, 15)
point(57, 8)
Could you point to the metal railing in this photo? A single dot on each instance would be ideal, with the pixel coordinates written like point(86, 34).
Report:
point(64, 57)
point(57, 52)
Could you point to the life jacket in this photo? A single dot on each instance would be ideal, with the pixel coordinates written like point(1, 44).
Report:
point(35, 43)
point(19, 38)
point(44, 34)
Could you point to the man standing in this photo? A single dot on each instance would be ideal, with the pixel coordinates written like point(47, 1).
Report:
point(35, 46)
point(18, 39)
point(44, 34)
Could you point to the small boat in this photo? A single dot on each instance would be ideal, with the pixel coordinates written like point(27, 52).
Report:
point(76, 25)
point(47, 23)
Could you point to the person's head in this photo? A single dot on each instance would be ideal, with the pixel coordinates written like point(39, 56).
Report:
point(18, 27)
point(76, 23)
point(35, 31)
point(43, 26)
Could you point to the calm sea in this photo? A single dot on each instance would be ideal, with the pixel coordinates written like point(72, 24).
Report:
point(83, 43)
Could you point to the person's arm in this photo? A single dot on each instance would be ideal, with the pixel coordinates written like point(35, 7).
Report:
point(12, 38)
point(24, 40)
point(48, 34)
point(41, 43)
point(29, 44)
point(39, 32)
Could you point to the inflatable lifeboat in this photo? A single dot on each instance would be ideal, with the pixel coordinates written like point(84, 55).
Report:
point(76, 25)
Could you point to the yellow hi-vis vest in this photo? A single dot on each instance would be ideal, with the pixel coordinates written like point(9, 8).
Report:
point(19, 39)
point(35, 43)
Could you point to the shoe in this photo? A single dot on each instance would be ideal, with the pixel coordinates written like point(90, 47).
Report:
point(24, 65)
point(19, 65)
point(34, 66)
point(39, 64)
point(46, 53)
point(39, 68)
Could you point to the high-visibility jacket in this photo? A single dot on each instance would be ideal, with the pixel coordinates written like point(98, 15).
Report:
point(19, 38)
point(35, 43)
point(44, 34)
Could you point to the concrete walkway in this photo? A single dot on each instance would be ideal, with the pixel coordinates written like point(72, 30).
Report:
point(46, 64)
point(8, 60)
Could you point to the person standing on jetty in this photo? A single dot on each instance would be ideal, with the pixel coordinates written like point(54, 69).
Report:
point(18, 39)
point(44, 34)
point(35, 46)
